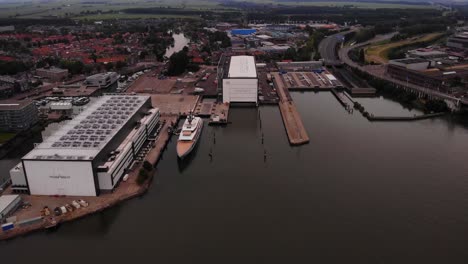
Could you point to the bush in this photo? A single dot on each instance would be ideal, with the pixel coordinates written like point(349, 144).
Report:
point(436, 106)
point(147, 165)
point(142, 176)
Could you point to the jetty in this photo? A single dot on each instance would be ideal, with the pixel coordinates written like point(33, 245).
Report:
point(295, 129)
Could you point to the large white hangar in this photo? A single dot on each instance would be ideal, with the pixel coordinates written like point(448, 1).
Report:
point(240, 82)
point(89, 154)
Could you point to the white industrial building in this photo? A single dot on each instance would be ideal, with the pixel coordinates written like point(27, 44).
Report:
point(8, 204)
point(240, 82)
point(411, 63)
point(89, 154)
point(102, 79)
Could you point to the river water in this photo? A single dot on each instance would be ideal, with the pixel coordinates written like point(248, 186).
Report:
point(180, 41)
point(359, 192)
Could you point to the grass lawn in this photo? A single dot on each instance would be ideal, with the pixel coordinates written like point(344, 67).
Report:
point(73, 8)
point(378, 53)
point(365, 5)
point(131, 16)
point(4, 137)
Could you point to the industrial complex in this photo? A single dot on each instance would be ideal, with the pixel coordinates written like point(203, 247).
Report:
point(90, 153)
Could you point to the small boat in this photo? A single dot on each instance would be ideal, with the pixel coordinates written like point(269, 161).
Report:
point(189, 135)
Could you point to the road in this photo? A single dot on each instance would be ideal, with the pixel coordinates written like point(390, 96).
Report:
point(327, 48)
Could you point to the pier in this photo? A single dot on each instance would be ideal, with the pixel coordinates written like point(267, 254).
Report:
point(218, 112)
point(292, 120)
point(373, 118)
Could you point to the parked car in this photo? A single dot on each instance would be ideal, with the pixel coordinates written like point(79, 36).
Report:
point(69, 208)
point(57, 211)
point(63, 209)
point(83, 203)
point(76, 204)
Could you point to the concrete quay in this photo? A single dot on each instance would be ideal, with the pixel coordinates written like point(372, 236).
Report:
point(295, 129)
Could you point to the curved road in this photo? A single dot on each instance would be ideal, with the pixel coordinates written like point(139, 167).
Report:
point(327, 48)
point(343, 56)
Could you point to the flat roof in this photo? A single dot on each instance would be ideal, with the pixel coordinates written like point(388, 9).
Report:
point(83, 137)
point(14, 104)
point(410, 60)
point(53, 69)
point(242, 66)
point(6, 200)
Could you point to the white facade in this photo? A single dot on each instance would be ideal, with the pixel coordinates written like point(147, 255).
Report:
point(72, 178)
point(114, 170)
point(18, 178)
point(240, 90)
point(241, 83)
point(102, 79)
point(8, 203)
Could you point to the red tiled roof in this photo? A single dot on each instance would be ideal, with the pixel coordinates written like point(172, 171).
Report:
point(6, 58)
point(197, 60)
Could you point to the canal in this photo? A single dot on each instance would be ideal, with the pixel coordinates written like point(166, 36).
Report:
point(360, 192)
point(180, 41)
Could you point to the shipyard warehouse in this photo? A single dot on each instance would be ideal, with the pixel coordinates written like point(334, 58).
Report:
point(240, 82)
point(89, 154)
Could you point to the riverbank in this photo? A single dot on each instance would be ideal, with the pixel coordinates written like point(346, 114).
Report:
point(125, 191)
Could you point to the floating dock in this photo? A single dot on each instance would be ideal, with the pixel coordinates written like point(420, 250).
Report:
point(292, 120)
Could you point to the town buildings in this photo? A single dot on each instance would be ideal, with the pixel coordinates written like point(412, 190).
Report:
point(16, 116)
point(52, 73)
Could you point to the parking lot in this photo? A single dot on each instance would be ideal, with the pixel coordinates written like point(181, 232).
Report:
point(170, 104)
point(323, 80)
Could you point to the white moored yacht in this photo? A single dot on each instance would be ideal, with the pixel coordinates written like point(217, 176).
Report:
point(189, 135)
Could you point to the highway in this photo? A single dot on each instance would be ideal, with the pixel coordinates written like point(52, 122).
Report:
point(327, 48)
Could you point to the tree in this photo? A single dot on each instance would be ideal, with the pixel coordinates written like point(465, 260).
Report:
point(74, 67)
point(290, 54)
point(178, 63)
point(94, 57)
point(109, 66)
point(142, 176)
point(147, 165)
point(120, 64)
point(362, 56)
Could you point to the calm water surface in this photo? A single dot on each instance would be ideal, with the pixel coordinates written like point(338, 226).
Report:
point(180, 41)
point(360, 192)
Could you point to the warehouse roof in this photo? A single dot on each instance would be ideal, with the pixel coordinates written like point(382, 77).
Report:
point(242, 66)
point(83, 137)
point(6, 200)
point(410, 60)
point(243, 31)
point(14, 104)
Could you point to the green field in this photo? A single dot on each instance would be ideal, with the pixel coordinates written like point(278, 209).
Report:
point(365, 5)
point(74, 8)
point(4, 137)
point(131, 16)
